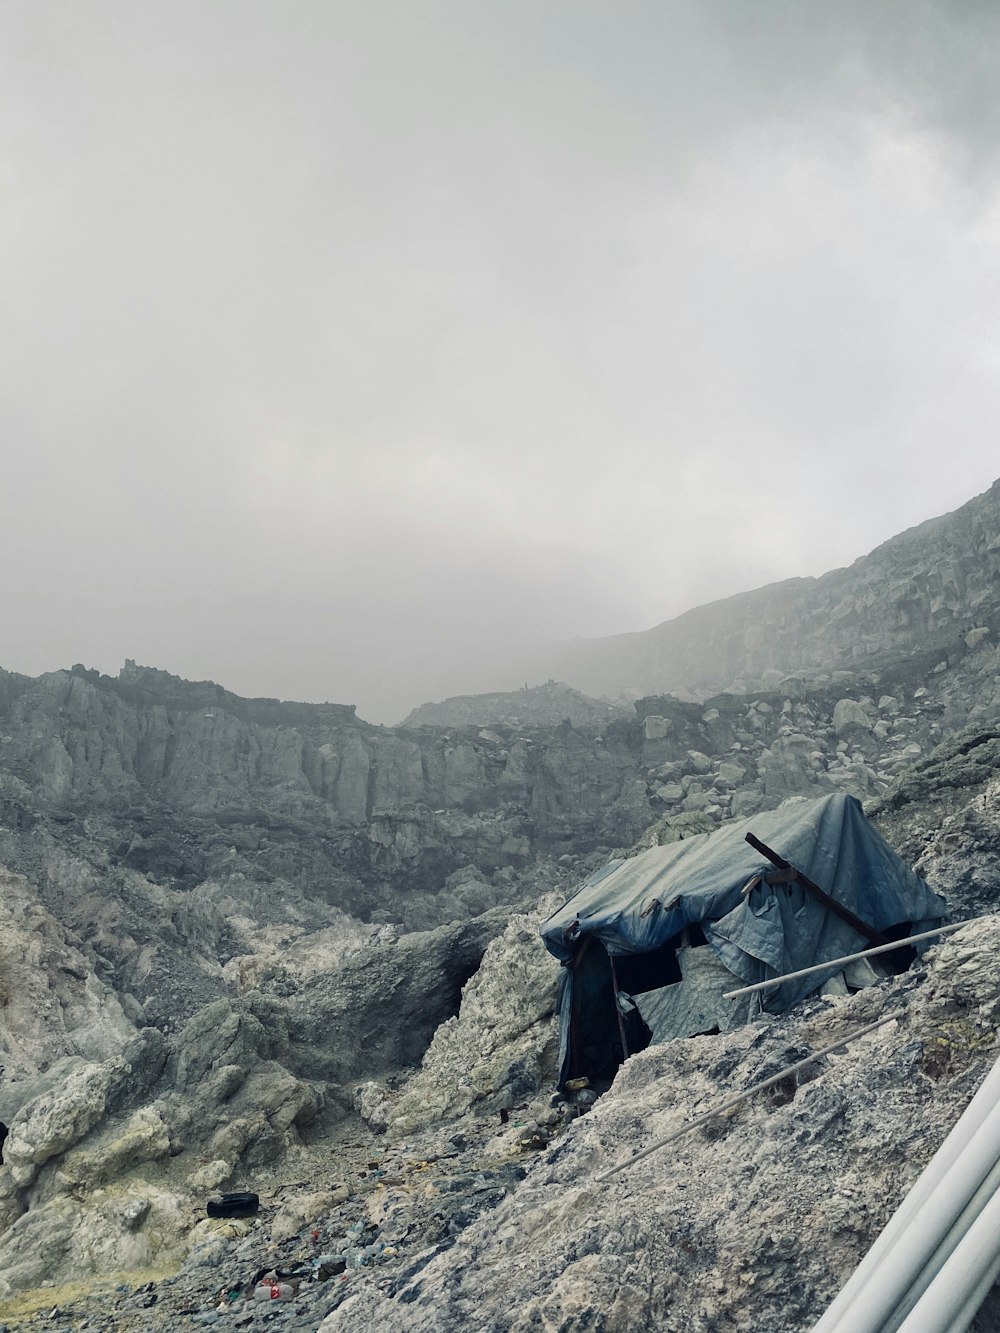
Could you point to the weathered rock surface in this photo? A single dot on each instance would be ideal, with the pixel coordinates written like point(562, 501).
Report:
point(500, 1047)
point(385, 1004)
point(750, 1223)
point(116, 1134)
point(52, 1005)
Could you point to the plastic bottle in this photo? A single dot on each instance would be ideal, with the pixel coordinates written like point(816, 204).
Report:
point(327, 1266)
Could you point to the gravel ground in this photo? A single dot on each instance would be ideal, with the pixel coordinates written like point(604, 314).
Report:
point(411, 1198)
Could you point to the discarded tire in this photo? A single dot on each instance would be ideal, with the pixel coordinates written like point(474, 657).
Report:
point(233, 1205)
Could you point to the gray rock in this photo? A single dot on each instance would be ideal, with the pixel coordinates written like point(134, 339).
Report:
point(656, 728)
point(493, 1053)
point(848, 716)
point(52, 1122)
point(915, 594)
point(380, 1011)
point(729, 1197)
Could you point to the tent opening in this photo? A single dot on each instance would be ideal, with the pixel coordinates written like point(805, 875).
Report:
point(600, 1031)
point(605, 1023)
point(638, 972)
point(898, 961)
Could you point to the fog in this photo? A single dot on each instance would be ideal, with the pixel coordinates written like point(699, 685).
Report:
point(347, 348)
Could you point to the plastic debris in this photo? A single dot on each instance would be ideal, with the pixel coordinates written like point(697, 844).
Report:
point(275, 1291)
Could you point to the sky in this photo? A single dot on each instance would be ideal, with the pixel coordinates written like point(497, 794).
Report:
point(348, 345)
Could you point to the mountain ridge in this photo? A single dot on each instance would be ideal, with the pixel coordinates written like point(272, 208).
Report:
point(919, 588)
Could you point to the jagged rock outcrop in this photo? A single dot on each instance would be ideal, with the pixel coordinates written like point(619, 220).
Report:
point(225, 1102)
point(209, 976)
point(187, 784)
point(107, 1157)
point(52, 1005)
point(385, 1003)
point(492, 1053)
point(190, 800)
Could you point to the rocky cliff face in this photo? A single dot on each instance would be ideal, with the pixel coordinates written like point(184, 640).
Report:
point(197, 841)
point(926, 589)
point(252, 944)
point(186, 783)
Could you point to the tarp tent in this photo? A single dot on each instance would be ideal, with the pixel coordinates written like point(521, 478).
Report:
point(626, 936)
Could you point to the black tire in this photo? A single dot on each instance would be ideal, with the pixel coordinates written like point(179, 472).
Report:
point(243, 1204)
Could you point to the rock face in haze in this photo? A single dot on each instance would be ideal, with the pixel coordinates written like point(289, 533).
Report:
point(934, 588)
point(541, 705)
point(189, 784)
point(200, 842)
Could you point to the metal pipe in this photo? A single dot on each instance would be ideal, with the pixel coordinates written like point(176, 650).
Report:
point(948, 1295)
point(742, 1097)
point(913, 1247)
point(935, 1171)
point(944, 1251)
point(838, 963)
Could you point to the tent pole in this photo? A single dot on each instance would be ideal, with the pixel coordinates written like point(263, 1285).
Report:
point(574, 1034)
point(618, 1012)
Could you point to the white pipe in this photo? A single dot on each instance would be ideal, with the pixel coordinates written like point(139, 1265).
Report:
point(838, 963)
point(945, 1250)
point(936, 1170)
point(949, 1294)
point(901, 1265)
point(975, 1298)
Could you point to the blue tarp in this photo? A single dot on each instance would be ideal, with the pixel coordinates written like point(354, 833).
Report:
point(637, 905)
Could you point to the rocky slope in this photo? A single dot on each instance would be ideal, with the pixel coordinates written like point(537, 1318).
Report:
point(475, 1203)
point(922, 590)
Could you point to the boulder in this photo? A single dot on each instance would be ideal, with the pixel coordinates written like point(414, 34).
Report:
point(493, 1053)
point(49, 1124)
point(849, 716)
point(380, 1011)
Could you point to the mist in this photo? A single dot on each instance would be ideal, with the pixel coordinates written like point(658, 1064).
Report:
point(348, 351)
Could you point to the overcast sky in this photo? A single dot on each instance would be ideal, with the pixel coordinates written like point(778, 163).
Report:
point(341, 340)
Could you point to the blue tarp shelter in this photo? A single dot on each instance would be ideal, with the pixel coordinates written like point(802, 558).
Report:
point(620, 931)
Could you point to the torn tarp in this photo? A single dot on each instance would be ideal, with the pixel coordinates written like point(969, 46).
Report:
point(635, 908)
